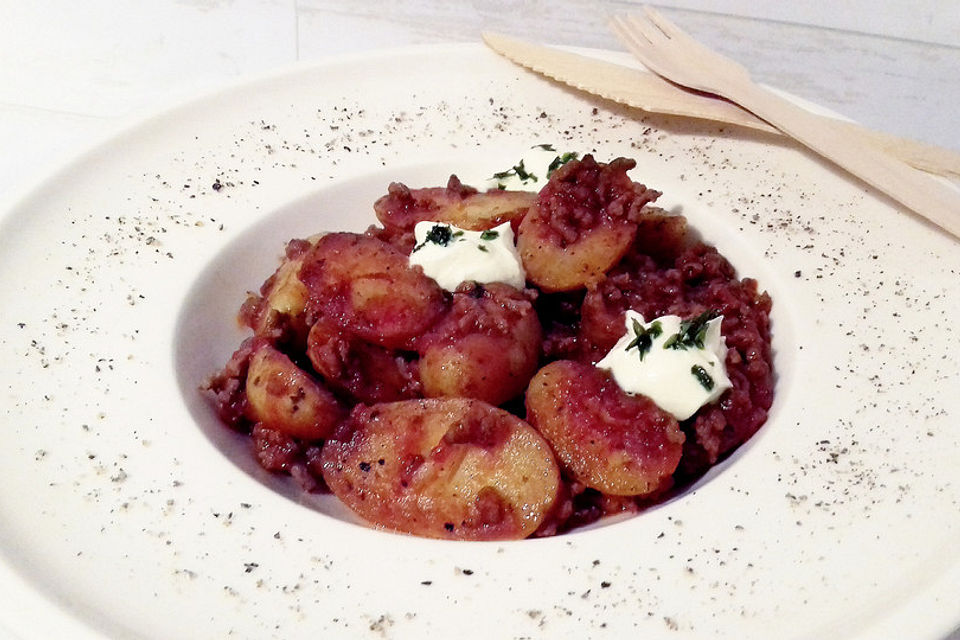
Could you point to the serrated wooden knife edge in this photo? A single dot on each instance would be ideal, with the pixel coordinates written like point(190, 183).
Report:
point(650, 93)
point(618, 83)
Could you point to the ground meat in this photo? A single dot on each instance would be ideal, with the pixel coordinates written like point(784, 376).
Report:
point(403, 207)
point(226, 387)
point(361, 371)
point(582, 195)
point(401, 239)
point(275, 450)
point(357, 321)
point(695, 280)
point(278, 452)
point(579, 506)
point(559, 315)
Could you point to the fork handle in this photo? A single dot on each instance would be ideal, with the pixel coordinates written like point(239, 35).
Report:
point(925, 196)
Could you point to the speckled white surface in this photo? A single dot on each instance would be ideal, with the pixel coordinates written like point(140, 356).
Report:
point(840, 517)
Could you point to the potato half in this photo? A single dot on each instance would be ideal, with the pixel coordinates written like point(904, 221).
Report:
point(617, 443)
point(443, 468)
point(283, 396)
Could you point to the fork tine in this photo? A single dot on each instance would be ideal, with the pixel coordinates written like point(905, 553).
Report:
point(682, 60)
point(637, 42)
point(618, 24)
point(668, 51)
point(642, 39)
point(622, 32)
point(638, 26)
point(663, 24)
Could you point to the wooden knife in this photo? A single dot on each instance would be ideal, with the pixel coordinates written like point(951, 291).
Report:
point(648, 92)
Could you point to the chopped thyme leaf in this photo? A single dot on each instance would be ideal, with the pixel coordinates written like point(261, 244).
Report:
point(545, 147)
point(523, 174)
point(440, 235)
point(559, 161)
point(489, 234)
point(702, 377)
point(644, 337)
point(692, 333)
point(482, 248)
point(517, 170)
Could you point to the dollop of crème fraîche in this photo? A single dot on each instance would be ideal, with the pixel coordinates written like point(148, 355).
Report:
point(679, 365)
point(451, 255)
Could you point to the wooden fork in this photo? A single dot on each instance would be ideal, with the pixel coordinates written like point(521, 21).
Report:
point(669, 52)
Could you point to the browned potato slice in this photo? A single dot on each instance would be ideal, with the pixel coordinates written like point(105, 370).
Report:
point(486, 347)
point(283, 396)
point(366, 286)
point(661, 235)
point(616, 443)
point(443, 468)
point(557, 265)
point(584, 221)
point(487, 368)
point(278, 312)
point(455, 204)
point(288, 295)
point(489, 209)
point(365, 372)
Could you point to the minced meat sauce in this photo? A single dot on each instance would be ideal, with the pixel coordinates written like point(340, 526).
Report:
point(347, 325)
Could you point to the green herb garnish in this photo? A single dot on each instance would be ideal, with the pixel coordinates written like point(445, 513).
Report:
point(489, 234)
point(482, 248)
point(440, 235)
point(559, 161)
point(523, 174)
point(545, 147)
point(702, 377)
point(692, 333)
point(644, 336)
point(517, 170)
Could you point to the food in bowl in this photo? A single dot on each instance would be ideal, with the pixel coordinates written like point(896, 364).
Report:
point(501, 364)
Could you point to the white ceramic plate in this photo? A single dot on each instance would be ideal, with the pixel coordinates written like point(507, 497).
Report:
point(128, 512)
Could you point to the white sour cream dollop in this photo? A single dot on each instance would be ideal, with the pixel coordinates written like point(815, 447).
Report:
point(679, 380)
point(451, 255)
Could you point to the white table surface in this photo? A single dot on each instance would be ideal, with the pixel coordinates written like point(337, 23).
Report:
point(72, 72)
